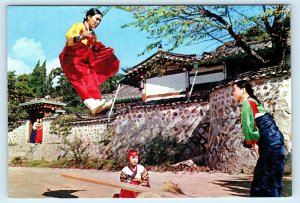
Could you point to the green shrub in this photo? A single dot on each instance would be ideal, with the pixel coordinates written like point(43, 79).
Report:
point(76, 148)
point(37, 163)
point(159, 151)
point(16, 160)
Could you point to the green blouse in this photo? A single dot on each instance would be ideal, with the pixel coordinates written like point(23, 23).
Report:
point(249, 108)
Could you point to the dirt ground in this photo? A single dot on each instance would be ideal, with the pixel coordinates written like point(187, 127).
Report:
point(48, 183)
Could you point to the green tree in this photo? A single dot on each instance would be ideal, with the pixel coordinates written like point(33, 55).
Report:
point(11, 82)
point(38, 80)
point(23, 89)
point(70, 96)
point(175, 26)
point(12, 96)
point(18, 92)
point(111, 84)
point(54, 91)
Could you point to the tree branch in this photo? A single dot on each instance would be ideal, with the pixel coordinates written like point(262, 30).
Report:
point(238, 39)
point(266, 22)
point(256, 22)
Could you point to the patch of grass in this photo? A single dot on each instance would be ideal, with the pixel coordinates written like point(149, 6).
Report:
point(37, 163)
point(287, 187)
point(110, 165)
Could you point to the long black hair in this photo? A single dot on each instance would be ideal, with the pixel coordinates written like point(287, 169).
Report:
point(92, 12)
point(248, 87)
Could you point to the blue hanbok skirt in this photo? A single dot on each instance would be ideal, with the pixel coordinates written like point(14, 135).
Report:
point(269, 170)
point(32, 136)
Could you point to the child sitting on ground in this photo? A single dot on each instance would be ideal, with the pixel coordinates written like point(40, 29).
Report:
point(134, 173)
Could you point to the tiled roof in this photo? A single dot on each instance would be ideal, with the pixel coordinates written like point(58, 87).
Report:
point(92, 120)
point(157, 60)
point(229, 50)
point(42, 101)
point(255, 74)
point(170, 102)
point(160, 54)
point(225, 51)
point(126, 93)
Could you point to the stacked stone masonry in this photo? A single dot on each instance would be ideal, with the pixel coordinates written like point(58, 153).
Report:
point(187, 124)
point(225, 148)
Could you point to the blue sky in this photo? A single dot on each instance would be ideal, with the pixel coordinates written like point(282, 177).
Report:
point(38, 32)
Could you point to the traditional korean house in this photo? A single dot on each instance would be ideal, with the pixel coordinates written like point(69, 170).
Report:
point(41, 108)
point(171, 77)
point(236, 61)
point(166, 75)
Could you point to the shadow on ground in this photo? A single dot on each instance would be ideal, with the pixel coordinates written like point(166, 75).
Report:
point(238, 187)
point(61, 193)
point(241, 186)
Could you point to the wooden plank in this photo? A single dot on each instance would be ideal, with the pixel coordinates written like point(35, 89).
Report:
point(125, 186)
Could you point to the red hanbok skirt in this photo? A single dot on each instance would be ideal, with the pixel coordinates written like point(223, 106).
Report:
point(129, 194)
point(39, 136)
point(87, 68)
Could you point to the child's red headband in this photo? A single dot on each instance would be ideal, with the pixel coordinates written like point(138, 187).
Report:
point(132, 152)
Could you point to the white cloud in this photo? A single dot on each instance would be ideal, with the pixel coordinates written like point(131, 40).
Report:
point(18, 65)
point(52, 64)
point(25, 54)
point(28, 50)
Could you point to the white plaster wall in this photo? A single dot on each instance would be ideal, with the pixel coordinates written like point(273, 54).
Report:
point(213, 77)
point(165, 84)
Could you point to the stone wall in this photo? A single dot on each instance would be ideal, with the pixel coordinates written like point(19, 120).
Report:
point(50, 149)
point(19, 146)
point(226, 152)
point(187, 124)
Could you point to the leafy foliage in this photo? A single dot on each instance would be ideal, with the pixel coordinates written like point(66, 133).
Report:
point(23, 88)
point(175, 26)
point(38, 80)
point(75, 148)
point(69, 96)
point(18, 92)
point(159, 151)
point(111, 84)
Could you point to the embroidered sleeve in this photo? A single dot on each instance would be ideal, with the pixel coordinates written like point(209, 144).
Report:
point(145, 178)
point(248, 122)
point(73, 33)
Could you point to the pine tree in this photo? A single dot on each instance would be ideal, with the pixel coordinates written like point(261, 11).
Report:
point(38, 80)
point(18, 92)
